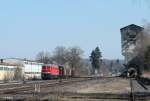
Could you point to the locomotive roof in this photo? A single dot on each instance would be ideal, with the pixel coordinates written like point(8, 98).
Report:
point(50, 65)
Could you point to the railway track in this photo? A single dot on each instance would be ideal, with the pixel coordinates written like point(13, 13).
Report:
point(16, 87)
point(139, 92)
point(31, 87)
point(19, 87)
point(19, 84)
point(16, 84)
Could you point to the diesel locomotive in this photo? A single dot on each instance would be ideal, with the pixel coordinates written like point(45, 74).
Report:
point(52, 71)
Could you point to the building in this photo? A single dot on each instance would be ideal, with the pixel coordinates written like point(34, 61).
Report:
point(131, 39)
point(7, 72)
point(32, 69)
point(29, 69)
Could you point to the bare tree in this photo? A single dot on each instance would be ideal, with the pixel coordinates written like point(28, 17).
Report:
point(85, 67)
point(43, 57)
point(60, 54)
point(74, 59)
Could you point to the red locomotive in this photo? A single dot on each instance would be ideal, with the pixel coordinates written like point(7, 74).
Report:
point(51, 71)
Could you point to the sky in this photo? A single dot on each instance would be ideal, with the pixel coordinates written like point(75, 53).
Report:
point(30, 26)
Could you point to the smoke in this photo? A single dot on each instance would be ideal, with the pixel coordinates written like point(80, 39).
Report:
point(147, 28)
point(146, 35)
point(143, 41)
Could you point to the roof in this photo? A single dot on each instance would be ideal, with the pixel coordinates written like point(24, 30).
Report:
point(21, 60)
point(18, 62)
point(9, 64)
point(133, 27)
point(51, 65)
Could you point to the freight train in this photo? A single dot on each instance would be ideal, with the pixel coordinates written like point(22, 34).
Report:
point(52, 71)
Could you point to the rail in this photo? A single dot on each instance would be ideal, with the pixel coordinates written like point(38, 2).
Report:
point(139, 91)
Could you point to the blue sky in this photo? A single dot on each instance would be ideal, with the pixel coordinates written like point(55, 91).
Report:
point(30, 26)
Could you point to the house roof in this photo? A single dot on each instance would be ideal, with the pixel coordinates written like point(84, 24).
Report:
point(18, 61)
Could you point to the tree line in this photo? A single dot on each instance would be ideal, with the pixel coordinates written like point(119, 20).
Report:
point(72, 56)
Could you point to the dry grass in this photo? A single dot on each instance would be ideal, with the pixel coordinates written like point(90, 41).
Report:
point(115, 86)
